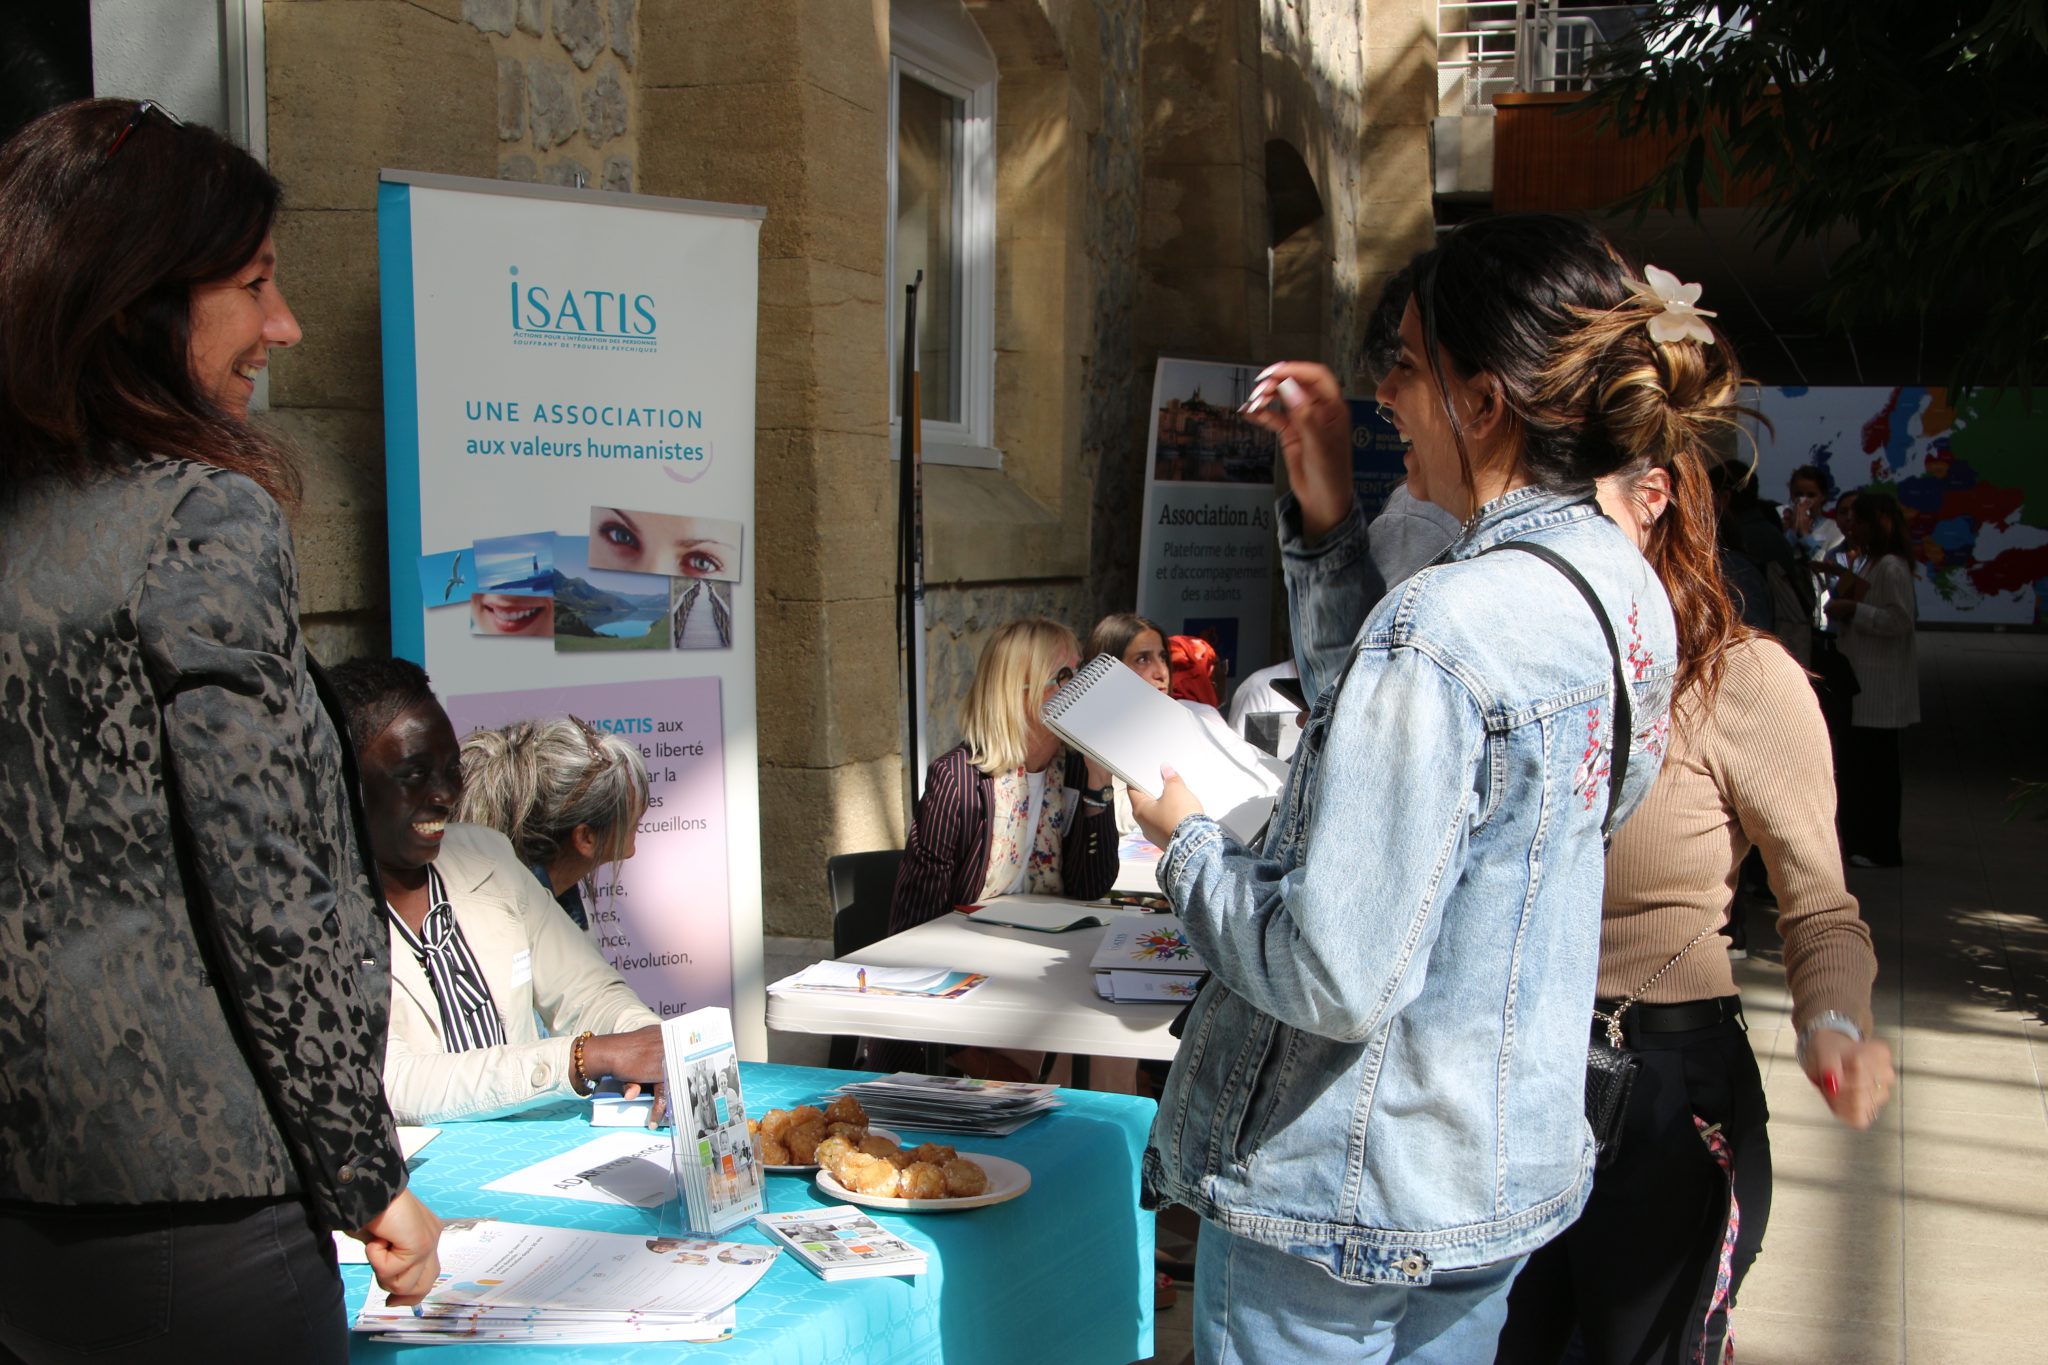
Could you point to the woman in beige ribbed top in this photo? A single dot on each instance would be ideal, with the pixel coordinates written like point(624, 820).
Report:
point(1649, 1271)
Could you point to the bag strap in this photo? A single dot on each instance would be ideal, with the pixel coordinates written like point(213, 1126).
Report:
point(1624, 735)
point(1624, 718)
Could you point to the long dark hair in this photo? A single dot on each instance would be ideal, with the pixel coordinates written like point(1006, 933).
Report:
point(1547, 306)
point(1881, 526)
point(100, 250)
point(1114, 634)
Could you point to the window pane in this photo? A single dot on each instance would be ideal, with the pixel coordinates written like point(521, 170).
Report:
point(928, 239)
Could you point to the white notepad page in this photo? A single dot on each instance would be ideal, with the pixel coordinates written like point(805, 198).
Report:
point(1132, 728)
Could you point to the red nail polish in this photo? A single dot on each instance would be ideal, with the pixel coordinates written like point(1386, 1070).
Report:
point(1832, 1084)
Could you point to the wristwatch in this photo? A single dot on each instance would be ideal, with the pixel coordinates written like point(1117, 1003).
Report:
point(1834, 1021)
point(1097, 796)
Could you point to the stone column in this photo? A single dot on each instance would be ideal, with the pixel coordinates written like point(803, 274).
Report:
point(1398, 217)
point(354, 86)
point(783, 103)
point(1203, 225)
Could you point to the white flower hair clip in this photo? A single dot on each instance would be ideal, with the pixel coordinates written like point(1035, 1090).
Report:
point(1677, 317)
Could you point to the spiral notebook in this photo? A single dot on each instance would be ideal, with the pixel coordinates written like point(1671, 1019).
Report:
point(1132, 728)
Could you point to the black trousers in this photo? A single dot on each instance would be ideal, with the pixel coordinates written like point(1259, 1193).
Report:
point(228, 1280)
point(1869, 792)
point(1629, 1280)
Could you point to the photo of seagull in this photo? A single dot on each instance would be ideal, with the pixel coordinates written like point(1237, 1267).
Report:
point(455, 578)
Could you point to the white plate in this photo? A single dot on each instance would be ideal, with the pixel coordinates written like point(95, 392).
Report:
point(1006, 1180)
point(808, 1167)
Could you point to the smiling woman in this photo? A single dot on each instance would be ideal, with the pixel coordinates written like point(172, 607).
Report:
point(164, 716)
point(480, 953)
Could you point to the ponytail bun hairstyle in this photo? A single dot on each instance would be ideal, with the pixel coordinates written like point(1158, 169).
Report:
point(1546, 306)
point(535, 781)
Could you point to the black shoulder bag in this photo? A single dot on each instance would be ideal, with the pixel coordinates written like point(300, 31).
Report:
point(1610, 1070)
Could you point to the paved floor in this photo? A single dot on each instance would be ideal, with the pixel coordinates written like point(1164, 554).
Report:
point(1924, 1240)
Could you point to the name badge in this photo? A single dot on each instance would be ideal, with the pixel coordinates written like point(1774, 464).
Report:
point(522, 966)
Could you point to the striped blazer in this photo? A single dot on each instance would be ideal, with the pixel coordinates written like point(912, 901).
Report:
point(945, 859)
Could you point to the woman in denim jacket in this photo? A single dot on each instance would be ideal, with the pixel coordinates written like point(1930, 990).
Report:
point(1378, 1105)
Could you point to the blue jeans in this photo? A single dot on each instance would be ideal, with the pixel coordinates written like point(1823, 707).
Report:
point(1255, 1304)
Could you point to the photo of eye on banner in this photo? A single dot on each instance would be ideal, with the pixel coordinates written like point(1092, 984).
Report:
point(569, 450)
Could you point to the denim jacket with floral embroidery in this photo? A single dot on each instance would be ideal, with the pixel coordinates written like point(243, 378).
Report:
point(1386, 1072)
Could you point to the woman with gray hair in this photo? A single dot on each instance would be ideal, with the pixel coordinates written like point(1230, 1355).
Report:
point(567, 795)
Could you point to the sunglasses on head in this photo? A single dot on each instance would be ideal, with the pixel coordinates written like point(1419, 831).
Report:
point(142, 110)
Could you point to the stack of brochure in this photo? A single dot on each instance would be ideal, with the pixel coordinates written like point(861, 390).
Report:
point(855, 978)
point(518, 1282)
point(952, 1104)
point(717, 1174)
point(1147, 958)
point(842, 1243)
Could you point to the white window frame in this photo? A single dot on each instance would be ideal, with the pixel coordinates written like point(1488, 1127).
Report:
point(960, 64)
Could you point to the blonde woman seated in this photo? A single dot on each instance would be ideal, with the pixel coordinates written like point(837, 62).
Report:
point(1010, 809)
point(568, 797)
point(479, 952)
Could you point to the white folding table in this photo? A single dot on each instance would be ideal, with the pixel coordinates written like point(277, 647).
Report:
point(1040, 994)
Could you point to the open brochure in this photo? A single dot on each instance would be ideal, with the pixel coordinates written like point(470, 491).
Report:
point(842, 1243)
point(633, 1167)
point(518, 1281)
point(1047, 914)
point(1133, 729)
point(717, 1173)
point(857, 978)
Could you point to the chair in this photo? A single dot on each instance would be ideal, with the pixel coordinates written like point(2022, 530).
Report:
point(861, 886)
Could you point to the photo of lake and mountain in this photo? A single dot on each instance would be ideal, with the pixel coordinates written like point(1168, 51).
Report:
point(599, 610)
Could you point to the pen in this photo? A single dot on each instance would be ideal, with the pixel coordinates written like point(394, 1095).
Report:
point(863, 980)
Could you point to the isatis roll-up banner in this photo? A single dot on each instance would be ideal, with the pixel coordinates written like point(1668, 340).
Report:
point(569, 447)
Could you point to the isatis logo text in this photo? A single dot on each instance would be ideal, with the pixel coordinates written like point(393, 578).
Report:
point(563, 315)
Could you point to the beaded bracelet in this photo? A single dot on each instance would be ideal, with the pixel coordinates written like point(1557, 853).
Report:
point(579, 1082)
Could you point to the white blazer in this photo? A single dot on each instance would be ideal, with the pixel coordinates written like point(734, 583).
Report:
point(542, 971)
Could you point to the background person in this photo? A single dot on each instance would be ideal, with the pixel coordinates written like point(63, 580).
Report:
point(1876, 613)
point(192, 974)
point(1634, 1279)
point(1368, 1066)
point(569, 798)
point(478, 951)
point(1141, 645)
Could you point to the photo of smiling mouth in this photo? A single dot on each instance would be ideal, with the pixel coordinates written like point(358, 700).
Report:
point(513, 614)
point(511, 618)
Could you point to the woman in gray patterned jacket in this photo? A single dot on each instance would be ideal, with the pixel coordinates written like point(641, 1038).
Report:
point(193, 980)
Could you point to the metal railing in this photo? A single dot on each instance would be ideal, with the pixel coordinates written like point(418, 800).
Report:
point(1485, 47)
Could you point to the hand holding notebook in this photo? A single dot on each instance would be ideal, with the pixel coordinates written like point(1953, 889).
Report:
point(1133, 729)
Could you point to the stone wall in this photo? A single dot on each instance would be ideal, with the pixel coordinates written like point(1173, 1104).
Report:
point(566, 92)
point(354, 86)
point(783, 103)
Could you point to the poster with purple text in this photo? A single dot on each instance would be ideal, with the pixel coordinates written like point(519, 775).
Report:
point(662, 919)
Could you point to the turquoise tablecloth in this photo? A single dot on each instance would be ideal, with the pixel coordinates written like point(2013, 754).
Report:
point(1062, 1274)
